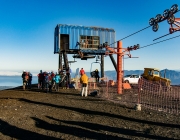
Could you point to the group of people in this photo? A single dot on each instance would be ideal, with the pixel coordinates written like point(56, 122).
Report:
point(49, 80)
point(27, 79)
point(45, 80)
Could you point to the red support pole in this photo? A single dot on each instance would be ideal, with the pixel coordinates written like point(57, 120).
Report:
point(119, 67)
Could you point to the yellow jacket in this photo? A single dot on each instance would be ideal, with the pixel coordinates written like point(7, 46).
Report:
point(84, 79)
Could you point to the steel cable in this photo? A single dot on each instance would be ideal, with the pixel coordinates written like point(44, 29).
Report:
point(134, 33)
point(131, 34)
point(160, 41)
point(156, 43)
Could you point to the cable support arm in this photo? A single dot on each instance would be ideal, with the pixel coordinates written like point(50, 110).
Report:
point(126, 51)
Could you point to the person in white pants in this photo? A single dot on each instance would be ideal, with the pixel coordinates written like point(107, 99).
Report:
point(84, 82)
point(84, 89)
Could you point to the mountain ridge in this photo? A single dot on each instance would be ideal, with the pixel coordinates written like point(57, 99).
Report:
point(173, 75)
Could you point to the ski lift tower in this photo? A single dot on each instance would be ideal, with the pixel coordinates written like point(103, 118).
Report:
point(84, 42)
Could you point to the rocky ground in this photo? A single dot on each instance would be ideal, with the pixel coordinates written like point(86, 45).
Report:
point(36, 115)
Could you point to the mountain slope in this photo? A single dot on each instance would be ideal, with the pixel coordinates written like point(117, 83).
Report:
point(173, 75)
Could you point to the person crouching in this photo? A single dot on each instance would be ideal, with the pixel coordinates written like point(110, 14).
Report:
point(84, 82)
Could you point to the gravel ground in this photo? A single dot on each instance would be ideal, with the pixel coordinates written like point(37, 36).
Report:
point(34, 114)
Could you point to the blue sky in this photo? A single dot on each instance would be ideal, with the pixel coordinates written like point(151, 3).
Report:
point(27, 32)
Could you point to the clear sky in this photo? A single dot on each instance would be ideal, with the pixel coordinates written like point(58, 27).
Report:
point(27, 32)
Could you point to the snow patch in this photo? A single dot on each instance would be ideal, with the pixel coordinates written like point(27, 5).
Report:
point(13, 73)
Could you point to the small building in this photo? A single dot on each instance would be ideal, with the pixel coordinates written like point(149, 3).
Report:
point(86, 40)
point(67, 36)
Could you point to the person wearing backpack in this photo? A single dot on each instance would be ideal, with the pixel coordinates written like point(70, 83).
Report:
point(46, 81)
point(57, 81)
point(29, 80)
point(25, 79)
point(68, 74)
point(40, 79)
point(50, 79)
point(52, 82)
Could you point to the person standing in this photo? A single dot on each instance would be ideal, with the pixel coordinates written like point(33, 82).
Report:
point(46, 81)
point(62, 82)
point(84, 82)
point(57, 80)
point(29, 80)
point(68, 73)
point(24, 79)
point(43, 81)
point(40, 79)
point(52, 76)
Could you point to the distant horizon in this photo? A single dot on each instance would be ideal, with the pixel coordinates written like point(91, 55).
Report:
point(35, 72)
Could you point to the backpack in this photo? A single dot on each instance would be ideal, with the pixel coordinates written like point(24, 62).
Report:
point(46, 78)
point(50, 80)
point(25, 76)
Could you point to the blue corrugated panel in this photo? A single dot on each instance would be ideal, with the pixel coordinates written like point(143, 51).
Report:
point(76, 31)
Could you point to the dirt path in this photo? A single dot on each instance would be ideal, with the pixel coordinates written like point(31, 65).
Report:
point(32, 114)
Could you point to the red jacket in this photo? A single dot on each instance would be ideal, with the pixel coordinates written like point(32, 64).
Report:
point(40, 76)
point(52, 74)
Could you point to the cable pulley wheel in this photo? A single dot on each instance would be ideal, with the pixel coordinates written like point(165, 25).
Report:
point(174, 8)
point(155, 27)
point(158, 18)
point(171, 19)
point(166, 13)
point(151, 21)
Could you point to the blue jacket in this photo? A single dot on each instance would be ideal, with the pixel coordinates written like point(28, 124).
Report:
point(57, 79)
point(30, 76)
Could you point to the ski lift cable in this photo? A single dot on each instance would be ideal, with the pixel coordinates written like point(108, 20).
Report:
point(131, 34)
point(163, 36)
point(159, 41)
point(134, 33)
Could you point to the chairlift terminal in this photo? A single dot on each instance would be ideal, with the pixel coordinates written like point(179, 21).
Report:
point(87, 43)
